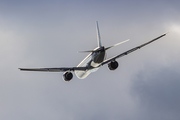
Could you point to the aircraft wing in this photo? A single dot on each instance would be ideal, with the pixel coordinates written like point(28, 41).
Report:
point(131, 50)
point(55, 69)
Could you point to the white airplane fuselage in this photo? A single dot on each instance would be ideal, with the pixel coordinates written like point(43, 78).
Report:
point(92, 61)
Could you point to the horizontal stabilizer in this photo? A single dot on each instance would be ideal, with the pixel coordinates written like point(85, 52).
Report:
point(88, 51)
point(116, 44)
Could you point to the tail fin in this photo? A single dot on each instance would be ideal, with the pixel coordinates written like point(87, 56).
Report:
point(98, 35)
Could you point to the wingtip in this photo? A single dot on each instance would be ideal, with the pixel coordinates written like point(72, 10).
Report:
point(21, 69)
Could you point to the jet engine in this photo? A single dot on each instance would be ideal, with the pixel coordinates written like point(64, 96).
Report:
point(67, 76)
point(113, 65)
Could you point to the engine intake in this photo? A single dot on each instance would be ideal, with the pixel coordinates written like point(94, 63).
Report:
point(113, 65)
point(67, 76)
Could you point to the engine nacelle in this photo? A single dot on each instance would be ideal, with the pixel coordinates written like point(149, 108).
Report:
point(113, 65)
point(67, 76)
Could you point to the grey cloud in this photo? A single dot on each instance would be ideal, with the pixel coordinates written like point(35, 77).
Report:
point(158, 93)
point(145, 86)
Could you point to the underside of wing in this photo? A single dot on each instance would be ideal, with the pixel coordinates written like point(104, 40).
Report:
point(55, 69)
point(131, 50)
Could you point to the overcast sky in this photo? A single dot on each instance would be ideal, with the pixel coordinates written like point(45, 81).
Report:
point(48, 34)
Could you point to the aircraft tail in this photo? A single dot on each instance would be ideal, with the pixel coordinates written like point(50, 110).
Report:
point(98, 36)
point(99, 42)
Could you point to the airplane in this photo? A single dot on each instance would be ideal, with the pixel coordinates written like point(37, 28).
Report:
point(93, 61)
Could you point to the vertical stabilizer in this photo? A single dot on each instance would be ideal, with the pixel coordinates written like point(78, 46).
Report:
point(98, 35)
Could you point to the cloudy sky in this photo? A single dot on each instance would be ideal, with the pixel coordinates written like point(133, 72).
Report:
point(49, 33)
